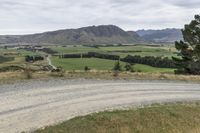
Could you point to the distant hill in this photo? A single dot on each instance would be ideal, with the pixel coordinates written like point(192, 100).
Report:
point(161, 36)
point(104, 34)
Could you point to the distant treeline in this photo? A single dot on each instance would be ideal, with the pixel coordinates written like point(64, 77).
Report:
point(105, 45)
point(151, 61)
point(29, 58)
point(126, 51)
point(6, 59)
point(147, 60)
point(92, 54)
point(48, 51)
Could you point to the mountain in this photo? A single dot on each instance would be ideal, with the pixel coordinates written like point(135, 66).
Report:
point(161, 36)
point(8, 39)
point(103, 34)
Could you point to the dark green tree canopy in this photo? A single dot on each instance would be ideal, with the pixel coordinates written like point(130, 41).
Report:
point(189, 48)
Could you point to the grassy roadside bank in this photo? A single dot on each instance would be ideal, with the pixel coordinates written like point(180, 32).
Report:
point(6, 77)
point(168, 118)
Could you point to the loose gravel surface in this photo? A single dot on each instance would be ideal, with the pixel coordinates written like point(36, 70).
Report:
point(27, 106)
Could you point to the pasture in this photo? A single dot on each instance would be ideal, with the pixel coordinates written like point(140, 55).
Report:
point(93, 63)
point(104, 64)
point(19, 58)
point(158, 51)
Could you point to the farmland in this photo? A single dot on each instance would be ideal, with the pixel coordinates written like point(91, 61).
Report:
point(103, 64)
point(70, 64)
point(162, 51)
point(18, 56)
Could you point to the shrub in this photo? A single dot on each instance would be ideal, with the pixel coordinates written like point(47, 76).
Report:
point(33, 58)
point(58, 72)
point(117, 67)
point(86, 68)
point(128, 67)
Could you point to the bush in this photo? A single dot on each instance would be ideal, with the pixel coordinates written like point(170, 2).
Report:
point(117, 67)
point(86, 68)
point(58, 72)
point(132, 70)
point(128, 67)
point(33, 58)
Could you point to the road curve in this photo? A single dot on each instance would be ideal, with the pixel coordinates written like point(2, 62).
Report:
point(35, 104)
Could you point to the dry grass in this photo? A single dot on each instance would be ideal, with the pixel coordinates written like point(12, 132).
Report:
point(107, 75)
point(169, 118)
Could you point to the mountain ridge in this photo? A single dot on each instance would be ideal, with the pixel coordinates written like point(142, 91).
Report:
point(168, 35)
point(91, 35)
point(102, 34)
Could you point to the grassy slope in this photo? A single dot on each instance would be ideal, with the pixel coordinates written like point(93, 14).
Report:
point(175, 118)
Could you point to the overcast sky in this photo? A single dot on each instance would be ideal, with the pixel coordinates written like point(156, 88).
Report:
point(31, 16)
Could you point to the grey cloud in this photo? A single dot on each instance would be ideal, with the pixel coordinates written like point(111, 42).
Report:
point(186, 3)
point(28, 16)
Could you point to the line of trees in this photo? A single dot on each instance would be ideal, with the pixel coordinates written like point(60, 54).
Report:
point(150, 60)
point(48, 51)
point(91, 55)
point(147, 60)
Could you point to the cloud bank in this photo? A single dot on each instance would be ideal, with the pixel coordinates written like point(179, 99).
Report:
point(31, 16)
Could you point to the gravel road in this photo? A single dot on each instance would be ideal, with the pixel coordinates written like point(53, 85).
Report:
point(27, 106)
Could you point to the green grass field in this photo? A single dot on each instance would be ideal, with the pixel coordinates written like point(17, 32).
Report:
point(96, 64)
point(79, 64)
point(78, 49)
point(170, 118)
point(162, 51)
point(102, 64)
point(146, 68)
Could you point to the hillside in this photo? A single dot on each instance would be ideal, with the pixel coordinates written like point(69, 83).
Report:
point(161, 36)
point(104, 34)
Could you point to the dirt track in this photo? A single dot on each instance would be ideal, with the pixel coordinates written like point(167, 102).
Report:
point(35, 104)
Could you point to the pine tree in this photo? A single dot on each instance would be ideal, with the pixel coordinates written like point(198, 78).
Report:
point(189, 48)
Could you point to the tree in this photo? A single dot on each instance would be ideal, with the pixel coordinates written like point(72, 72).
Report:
point(86, 68)
point(128, 67)
point(117, 66)
point(189, 49)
